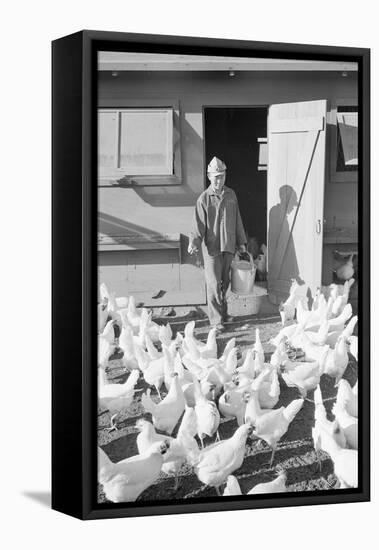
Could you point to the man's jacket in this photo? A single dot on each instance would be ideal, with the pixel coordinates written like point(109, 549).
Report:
point(217, 221)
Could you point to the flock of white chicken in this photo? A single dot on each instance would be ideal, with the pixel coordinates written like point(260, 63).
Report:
point(202, 388)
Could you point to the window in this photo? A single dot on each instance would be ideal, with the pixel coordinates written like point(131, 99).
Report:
point(263, 154)
point(343, 140)
point(136, 142)
point(347, 138)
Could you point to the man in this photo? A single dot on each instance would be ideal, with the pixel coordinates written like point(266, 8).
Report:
point(218, 226)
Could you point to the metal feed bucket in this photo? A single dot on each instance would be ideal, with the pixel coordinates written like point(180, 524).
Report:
point(243, 276)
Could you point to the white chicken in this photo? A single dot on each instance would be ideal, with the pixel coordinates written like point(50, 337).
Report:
point(348, 424)
point(248, 366)
point(108, 332)
point(209, 350)
point(219, 378)
point(324, 431)
point(192, 356)
point(346, 332)
point(102, 316)
point(134, 314)
point(269, 390)
point(335, 323)
point(151, 349)
point(128, 346)
point(303, 314)
point(165, 334)
point(124, 481)
point(349, 329)
point(353, 346)
point(321, 336)
point(153, 371)
point(337, 360)
point(206, 350)
point(228, 348)
point(314, 352)
point(345, 465)
point(346, 270)
point(303, 375)
point(116, 397)
point(279, 357)
point(208, 389)
point(180, 448)
point(109, 300)
point(318, 295)
point(231, 404)
point(189, 336)
point(168, 367)
point(347, 397)
point(269, 425)
point(284, 334)
point(188, 424)
point(219, 460)
point(329, 437)
point(287, 309)
point(232, 487)
point(105, 348)
point(201, 372)
point(166, 414)
point(207, 414)
point(231, 361)
point(278, 485)
point(258, 348)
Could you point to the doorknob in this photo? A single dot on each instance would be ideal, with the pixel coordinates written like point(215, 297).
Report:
point(318, 227)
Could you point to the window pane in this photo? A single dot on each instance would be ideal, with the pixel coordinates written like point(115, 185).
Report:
point(263, 153)
point(107, 138)
point(146, 142)
point(348, 129)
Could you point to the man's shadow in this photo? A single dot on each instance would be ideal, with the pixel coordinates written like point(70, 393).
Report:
point(279, 233)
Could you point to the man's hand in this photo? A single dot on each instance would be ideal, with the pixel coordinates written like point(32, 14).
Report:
point(242, 248)
point(192, 249)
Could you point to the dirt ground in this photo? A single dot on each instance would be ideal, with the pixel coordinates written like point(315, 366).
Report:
point(295, 451)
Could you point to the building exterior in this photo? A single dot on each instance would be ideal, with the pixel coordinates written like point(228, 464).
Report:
point(287, 132)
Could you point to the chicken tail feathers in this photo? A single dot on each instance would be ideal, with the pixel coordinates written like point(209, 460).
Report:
point(320, 413)
point(292, 409)
point(132, 380)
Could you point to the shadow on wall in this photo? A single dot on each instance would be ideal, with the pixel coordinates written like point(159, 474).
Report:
point(118, 228)
point(170, 195)
point(110, 225)
point(280, 239)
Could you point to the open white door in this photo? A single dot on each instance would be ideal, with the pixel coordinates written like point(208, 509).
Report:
point(295, 195)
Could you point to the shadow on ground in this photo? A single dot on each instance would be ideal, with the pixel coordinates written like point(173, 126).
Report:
point(42, 497)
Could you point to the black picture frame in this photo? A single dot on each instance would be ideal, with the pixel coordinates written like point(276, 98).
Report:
point(74, 291)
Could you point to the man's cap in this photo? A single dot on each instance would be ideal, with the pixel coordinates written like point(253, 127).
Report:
point(216, 166)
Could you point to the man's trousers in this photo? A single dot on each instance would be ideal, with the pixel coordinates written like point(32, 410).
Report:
point(217, 278)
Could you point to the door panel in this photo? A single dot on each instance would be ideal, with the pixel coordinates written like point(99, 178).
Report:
point(295, 194)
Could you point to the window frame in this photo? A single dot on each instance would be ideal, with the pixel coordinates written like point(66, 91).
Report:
point(262, 142)
point(344, 176)
point(116, 176)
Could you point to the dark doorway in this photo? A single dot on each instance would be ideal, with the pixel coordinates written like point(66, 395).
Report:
point(232, 134)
